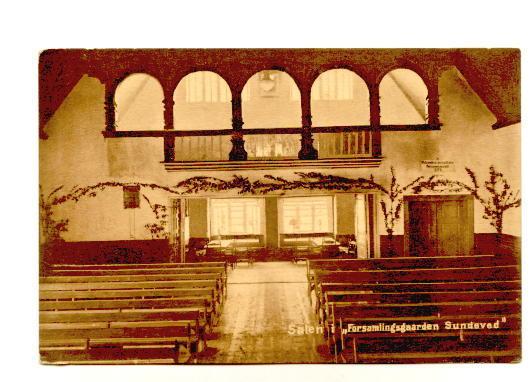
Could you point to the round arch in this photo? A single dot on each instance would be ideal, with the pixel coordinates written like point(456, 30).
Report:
point(339, 97)
point(271, 99)
point(202, 101)
point(403, 97)
point(138, 99)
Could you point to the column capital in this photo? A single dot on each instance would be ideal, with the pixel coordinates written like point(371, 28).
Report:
point(168, 102)
point(237, 123)
point(373, 88)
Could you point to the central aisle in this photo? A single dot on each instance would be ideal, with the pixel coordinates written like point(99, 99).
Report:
point(263, 301)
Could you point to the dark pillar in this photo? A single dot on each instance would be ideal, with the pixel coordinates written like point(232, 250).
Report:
point(307, 150)
point(375, 119)
point(169, 142)
point(109, 104)
point(433, 99)
point(238, 152)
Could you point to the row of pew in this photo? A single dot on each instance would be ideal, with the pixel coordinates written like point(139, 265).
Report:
point(129, 313)
point(414, 310)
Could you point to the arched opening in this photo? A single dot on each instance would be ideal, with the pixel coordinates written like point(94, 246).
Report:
point(271, 99)
point(403, 98)
point(139, 103)
point(339, 97)
point(202, 101)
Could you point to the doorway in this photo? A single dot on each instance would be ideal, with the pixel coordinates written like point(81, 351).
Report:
point(439, 225)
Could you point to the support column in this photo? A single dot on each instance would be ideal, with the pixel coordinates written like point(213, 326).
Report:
point(169, 142)
point(433, 100)
point(238, 152)
point(375, 119)
point(109, 105)
point(307, 150)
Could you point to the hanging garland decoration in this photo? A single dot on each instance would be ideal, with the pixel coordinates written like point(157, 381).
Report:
point(305, 181)
point(242, 185)
point(500, 197)
point(52, 228)
point(77, 192)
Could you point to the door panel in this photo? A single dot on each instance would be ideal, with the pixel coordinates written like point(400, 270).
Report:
point(439, 225)
point(448, 219)
point(421, 227)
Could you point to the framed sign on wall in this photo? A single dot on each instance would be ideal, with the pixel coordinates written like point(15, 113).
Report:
point(131, 196)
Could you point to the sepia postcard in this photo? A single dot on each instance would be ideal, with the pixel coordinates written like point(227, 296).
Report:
point(279, 206)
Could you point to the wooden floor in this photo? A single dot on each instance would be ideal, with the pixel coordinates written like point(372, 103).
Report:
point(263, 301)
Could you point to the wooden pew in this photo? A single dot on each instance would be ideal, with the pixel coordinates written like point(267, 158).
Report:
point(135, 271)
point(410, 262)
point(122, 315)
point(138, 265)
point(122, 277)
point(204, 305)
point(133, 285)
point(106, 307)
point(433, 290)
point(141, 269)
point(139, 274)
point(413, 276)
point(64, 297)
point(119, 328)
point(341, 298)
point(132, 303)
point(368, 340)
point(106, 342)
point(113, 285)
point(403, 263)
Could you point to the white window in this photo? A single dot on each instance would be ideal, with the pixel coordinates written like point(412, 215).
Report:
point(236, 216)
point(334, 85)
point(306, 214)
point(206, 87)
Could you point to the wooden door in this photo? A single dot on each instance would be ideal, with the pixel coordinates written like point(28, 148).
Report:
point(439, 225)
point(421, 229)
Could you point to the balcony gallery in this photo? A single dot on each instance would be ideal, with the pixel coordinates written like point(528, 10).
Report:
point(270, 122)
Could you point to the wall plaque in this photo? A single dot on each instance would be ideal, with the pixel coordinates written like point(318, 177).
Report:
point(438, 166)
point(131, 197)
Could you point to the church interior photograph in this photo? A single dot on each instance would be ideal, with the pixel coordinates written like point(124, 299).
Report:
point(266, 206)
